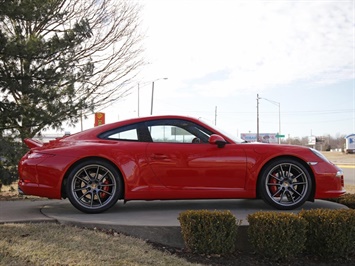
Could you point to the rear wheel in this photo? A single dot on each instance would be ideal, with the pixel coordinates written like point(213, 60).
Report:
point(285, 184)
point(94, 186)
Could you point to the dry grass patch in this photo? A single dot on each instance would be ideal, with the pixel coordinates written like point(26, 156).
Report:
point(53, 244)
point(350, 189)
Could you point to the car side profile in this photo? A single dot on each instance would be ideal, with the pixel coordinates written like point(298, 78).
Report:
point(171, 158)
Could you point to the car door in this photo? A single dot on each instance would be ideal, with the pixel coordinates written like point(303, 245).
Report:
point(181, 162)
point(129, 153)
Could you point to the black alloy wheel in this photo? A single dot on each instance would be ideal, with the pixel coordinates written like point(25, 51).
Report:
point(94, 186)
point(285, 184)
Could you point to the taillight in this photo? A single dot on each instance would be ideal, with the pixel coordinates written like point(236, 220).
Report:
point(38, 155)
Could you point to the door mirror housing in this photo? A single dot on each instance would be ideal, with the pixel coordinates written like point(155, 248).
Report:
point(217, 140)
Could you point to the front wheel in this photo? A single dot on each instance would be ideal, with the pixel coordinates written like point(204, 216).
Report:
point(285, 184)
point(94, 186)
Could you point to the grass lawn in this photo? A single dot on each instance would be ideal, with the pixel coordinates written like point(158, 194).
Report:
point(54, 244)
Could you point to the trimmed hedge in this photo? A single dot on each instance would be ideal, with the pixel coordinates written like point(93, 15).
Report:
point(209, 232)
point(331, 233)
point(346, 199)
point(277, 235)
point(327, 234)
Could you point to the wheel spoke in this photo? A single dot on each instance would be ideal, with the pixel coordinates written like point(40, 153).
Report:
point(282, 171)
point(105, 191)
point(99, 199)
point(289, 196)
point(299, 183)
point(277, 192)
point(84, 195)
point(289, 170)
point(92, 199)
point(80, 189)
point(103, 176)
point(97, 173)
point(82, 179)
point(296, 177)
point(275, 177)
point(107, 185)
point(281, 196)
point(87, 174)
point(295, 191)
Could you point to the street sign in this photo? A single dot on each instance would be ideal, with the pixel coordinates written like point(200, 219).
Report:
point(279, 136)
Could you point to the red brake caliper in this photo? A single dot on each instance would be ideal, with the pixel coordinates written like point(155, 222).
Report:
point(104, 195)
point(273, 189)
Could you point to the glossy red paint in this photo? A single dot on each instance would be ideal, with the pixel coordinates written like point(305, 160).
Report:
point(168, 157)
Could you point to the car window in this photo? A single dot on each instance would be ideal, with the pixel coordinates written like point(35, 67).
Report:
point(167, 133)
point(123, 133)
point(177, 131)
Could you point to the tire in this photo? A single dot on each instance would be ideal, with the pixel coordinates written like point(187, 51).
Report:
point(94, 186)
point(285, 184)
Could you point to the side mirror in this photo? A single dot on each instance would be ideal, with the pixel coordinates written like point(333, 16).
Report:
point(217, 140)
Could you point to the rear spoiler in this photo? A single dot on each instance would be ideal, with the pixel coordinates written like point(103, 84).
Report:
point(32, 143)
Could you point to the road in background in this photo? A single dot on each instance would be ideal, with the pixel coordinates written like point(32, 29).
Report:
point(346, 162)
point(349, 174)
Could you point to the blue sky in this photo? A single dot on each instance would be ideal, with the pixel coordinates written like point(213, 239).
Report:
point(218, 55)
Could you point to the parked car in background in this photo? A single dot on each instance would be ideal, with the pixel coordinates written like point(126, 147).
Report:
point(171, 158)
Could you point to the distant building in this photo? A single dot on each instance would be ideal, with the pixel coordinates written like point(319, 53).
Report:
point(350, 143)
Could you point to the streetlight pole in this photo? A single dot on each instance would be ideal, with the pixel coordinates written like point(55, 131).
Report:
point(138, 101)
point(257, 118)
point(152, 100)
point(277, 104)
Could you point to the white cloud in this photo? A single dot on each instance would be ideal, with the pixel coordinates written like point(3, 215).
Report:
point(260, 43)
point(223, 52)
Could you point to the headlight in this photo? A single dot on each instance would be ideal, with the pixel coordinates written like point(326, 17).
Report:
point(339, 174)
point(320, 155)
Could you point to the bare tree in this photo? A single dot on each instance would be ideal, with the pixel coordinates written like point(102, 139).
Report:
point(60, 59)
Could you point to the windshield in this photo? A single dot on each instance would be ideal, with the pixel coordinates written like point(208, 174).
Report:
point(233, 137)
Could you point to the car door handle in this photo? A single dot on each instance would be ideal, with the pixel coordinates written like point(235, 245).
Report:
point(159, 156)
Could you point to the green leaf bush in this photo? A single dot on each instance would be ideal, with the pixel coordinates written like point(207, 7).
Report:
point(327, 234)
point(277, 235)
point(346, 199)
point(209, 232)
point(331, 233)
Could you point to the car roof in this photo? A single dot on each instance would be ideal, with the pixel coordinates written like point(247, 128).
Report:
point(95, 131)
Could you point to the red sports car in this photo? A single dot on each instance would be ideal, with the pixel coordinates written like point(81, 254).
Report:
point(169, 158)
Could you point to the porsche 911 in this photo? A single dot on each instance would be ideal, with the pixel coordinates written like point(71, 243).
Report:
point(172, 158)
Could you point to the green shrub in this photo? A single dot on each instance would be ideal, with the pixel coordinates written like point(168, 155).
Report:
point(277, 235)
point(209, 232)
point(346, 199)
point(331, 233)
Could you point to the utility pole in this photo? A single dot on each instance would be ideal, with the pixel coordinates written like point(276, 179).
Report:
point(257, 118)
point(138, 101)
point(151, 103)
point(152, 100)
point(215, 116)
point(277, 104)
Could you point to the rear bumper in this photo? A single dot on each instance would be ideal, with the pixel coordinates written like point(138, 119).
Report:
point(19, 190)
